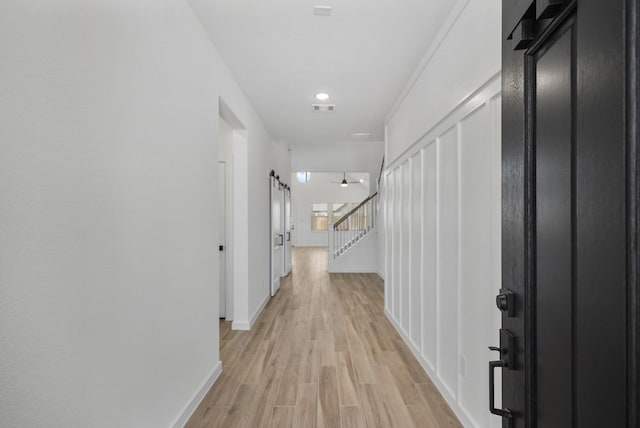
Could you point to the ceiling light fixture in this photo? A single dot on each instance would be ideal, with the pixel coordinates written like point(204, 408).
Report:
point(322, 96)
point(344, 182)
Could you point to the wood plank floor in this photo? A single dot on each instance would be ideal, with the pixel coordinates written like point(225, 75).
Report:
point(322, 354)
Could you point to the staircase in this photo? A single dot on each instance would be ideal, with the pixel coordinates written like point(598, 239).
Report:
point(353, 240)
point(353, 227)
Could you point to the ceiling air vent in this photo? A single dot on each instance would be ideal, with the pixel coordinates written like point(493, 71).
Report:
point(361, 136)
point(324, 108)
point(322, 10)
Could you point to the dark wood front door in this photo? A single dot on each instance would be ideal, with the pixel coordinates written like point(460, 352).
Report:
point(569, 341)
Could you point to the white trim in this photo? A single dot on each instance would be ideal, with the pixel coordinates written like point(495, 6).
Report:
point(409, 256)
point(444, 391)
point(482, 95)
point(436, 355)
point(248, 325)
point(198, 397)
point(356, 270)
point(423, 167)
point(442, 34)
point(259, 310)
point(459, 208)
point(240, 325)
point(228, 249)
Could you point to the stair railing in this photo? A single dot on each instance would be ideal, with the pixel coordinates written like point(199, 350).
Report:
point(379, 180)
point(353, 226)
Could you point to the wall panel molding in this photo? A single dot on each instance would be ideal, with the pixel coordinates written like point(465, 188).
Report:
point(442, 250)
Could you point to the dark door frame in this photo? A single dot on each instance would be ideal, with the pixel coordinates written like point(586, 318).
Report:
point(632, 137)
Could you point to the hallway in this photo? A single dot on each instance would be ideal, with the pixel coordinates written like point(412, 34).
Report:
point(322, 353)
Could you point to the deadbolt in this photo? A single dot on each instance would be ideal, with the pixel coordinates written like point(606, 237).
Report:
point(502, 301)
point(505, 301)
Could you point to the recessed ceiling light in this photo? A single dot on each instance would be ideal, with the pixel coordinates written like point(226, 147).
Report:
point(322, 96)
point(361, 180)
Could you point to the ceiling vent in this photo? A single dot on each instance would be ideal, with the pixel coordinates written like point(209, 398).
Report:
point(322, 10)
point(324, 108)
point(361, 136)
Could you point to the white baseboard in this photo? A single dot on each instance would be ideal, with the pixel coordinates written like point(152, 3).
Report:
point(198, 397)
point(240, 325)
point(353, 269)
point(247, 325)
point(430, 370)
point(259, 310)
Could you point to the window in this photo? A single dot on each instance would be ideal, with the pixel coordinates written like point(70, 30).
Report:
point(323, 214)
point(339, 211)
point(303, 177)
point(319, 216)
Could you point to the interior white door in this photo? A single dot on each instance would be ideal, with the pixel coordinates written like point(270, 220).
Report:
point(222, 229)
point(277, 236)
point(293, 222)
point(287, 232)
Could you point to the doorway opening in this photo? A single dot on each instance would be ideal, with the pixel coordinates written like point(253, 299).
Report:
point(232, 159)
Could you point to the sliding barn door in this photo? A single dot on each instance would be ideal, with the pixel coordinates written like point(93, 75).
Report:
point(287, 232)
point(277, 235)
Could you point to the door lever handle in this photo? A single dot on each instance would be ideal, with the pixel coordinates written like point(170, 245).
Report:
point(504, 413)
point(507, 350)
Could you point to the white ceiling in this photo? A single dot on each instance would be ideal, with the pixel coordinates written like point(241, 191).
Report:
point(282, 55)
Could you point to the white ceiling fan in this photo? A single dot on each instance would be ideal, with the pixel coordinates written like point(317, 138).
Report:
point(344, 182)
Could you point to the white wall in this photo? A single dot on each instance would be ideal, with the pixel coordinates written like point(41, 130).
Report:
point(363, 156)
point(263, 156)
point(320, 189)
point(442, 209)
point(464, 56)
point(225, 141)
point(108, 231)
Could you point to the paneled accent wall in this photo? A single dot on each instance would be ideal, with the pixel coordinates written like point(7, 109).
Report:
point(441, 204)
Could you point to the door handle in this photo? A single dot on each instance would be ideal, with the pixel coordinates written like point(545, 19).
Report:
point(504, 413)
point(507, 352)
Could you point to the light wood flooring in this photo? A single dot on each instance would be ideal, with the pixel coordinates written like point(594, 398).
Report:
point(321, 354)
